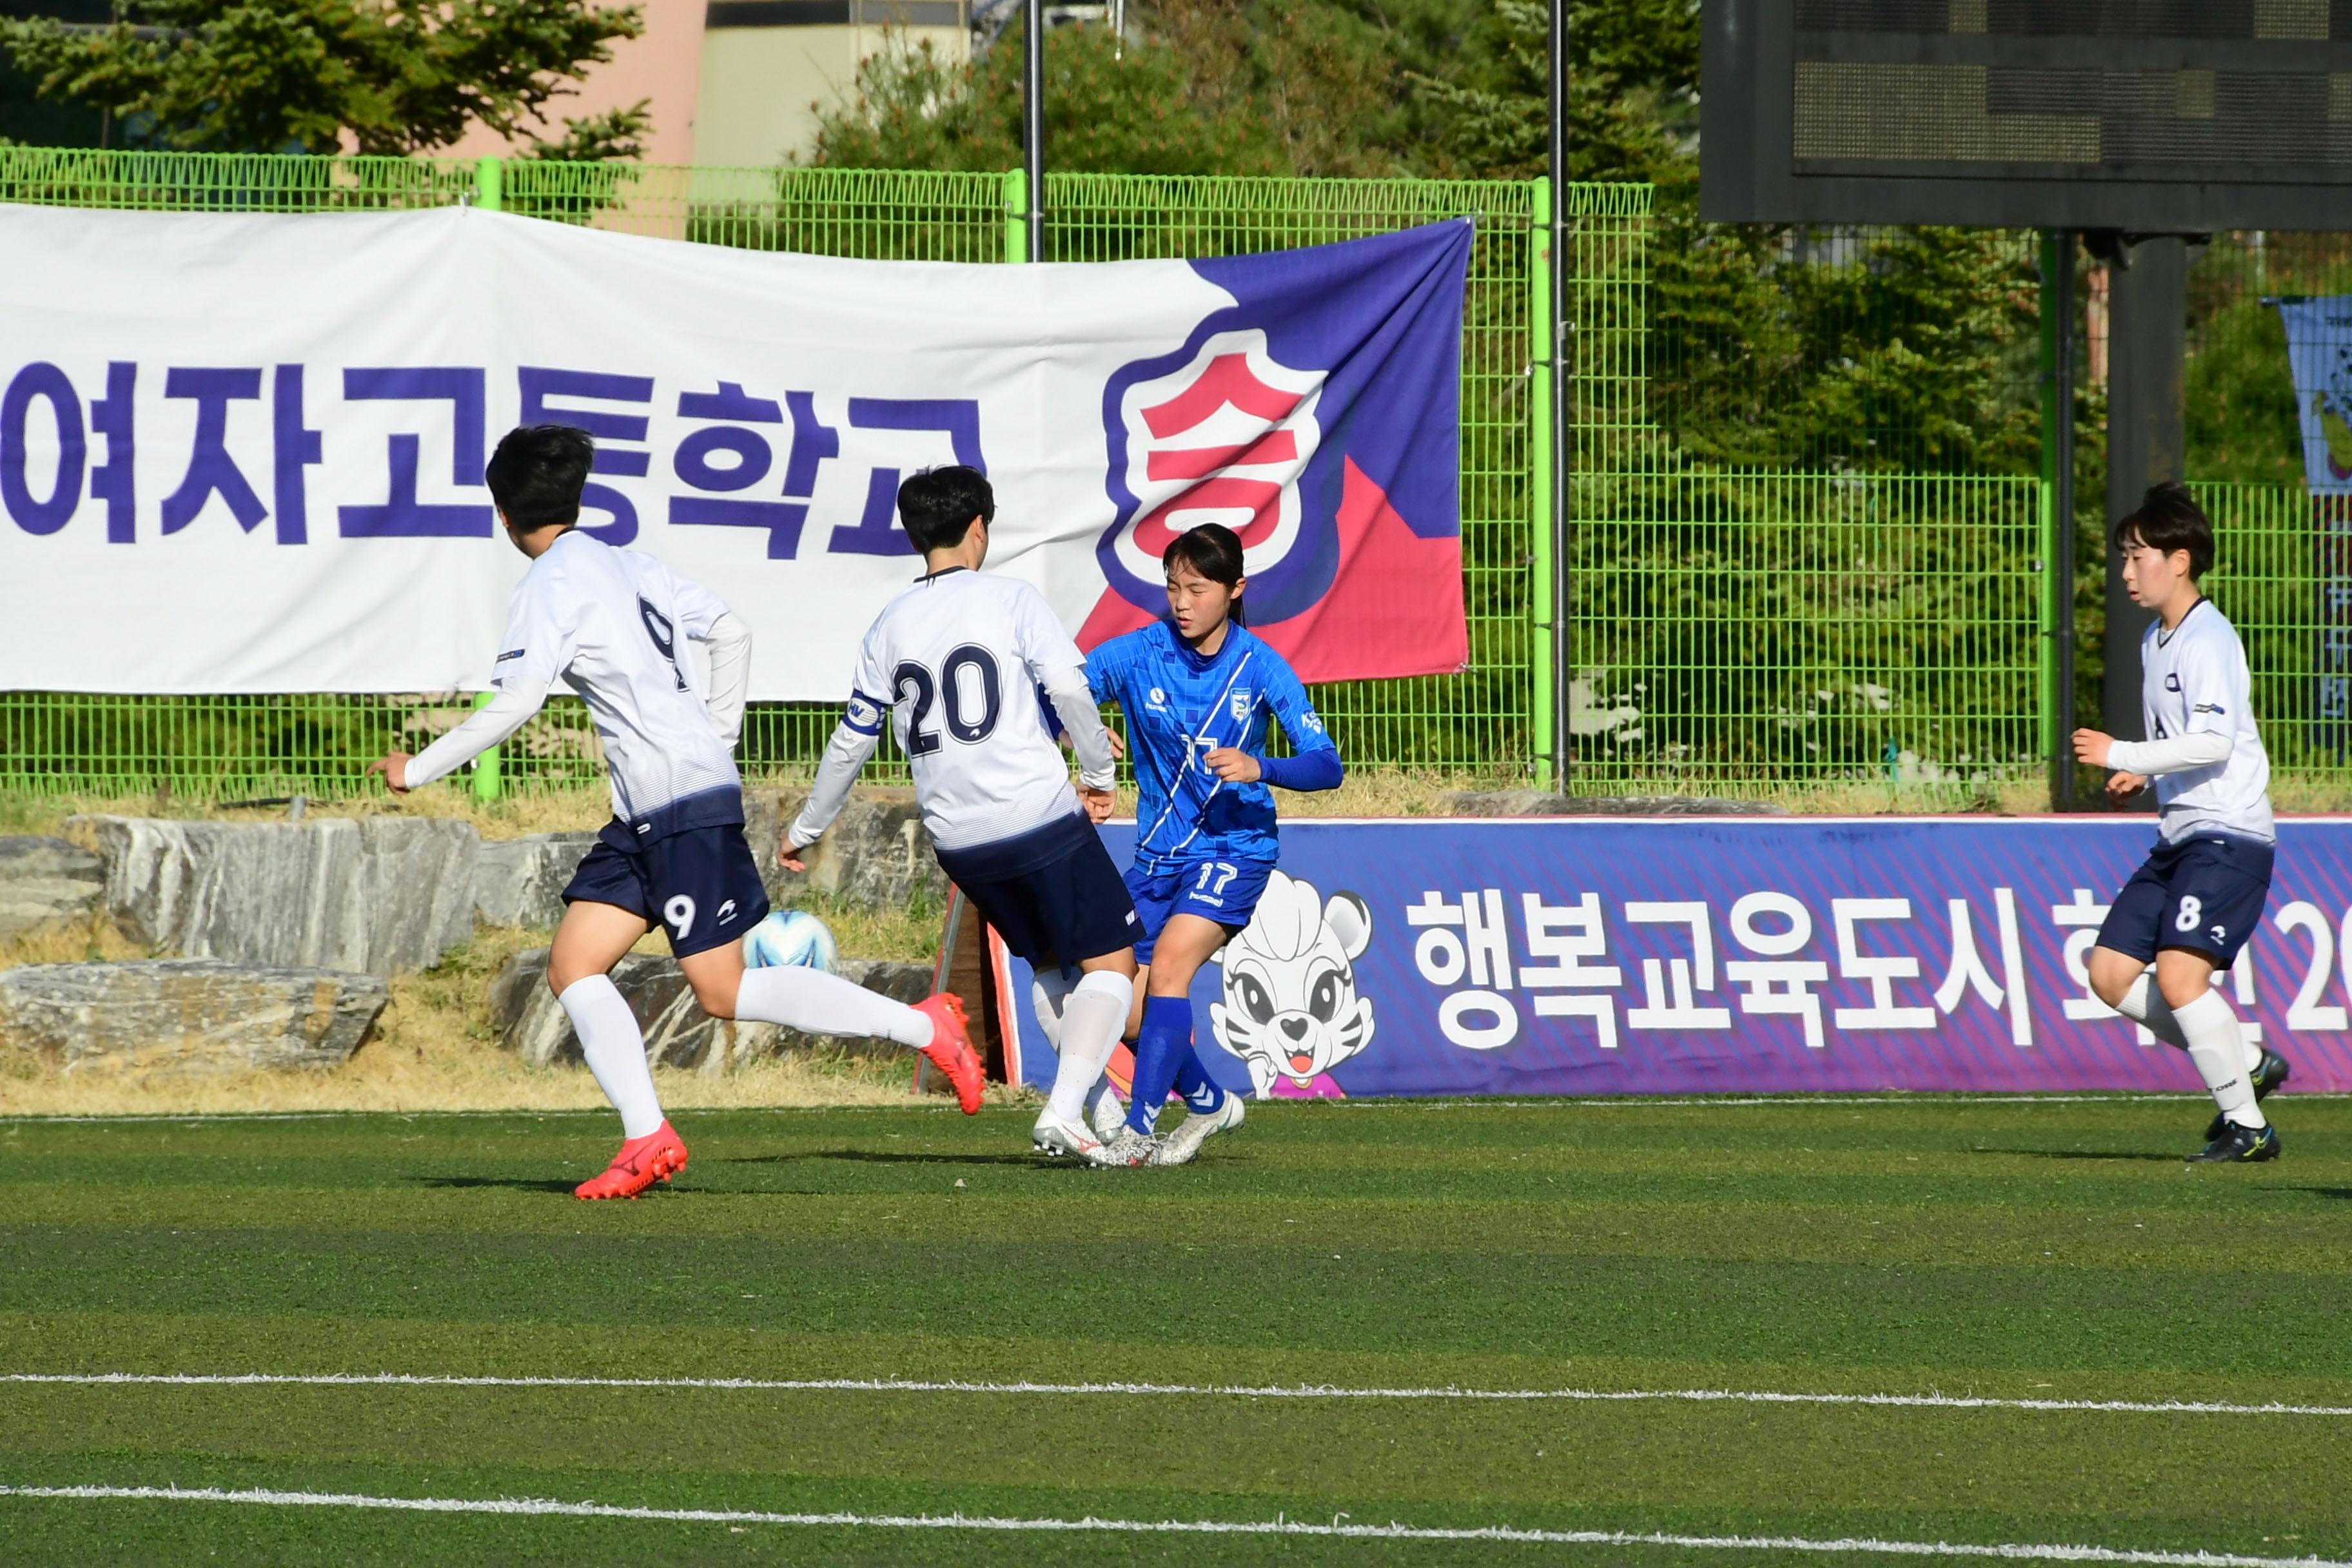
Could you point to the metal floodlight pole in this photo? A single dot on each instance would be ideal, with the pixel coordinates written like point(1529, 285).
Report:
point(1563, 397)
point(1033, 120)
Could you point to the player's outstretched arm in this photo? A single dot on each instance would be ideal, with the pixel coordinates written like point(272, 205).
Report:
point(845, 758)
point(504, 714)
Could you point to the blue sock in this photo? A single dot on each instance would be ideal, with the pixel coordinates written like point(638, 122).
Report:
point(1162, 1048)
point(1202, 1093)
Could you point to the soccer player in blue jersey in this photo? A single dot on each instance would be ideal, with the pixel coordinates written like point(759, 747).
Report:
point(1198, 691)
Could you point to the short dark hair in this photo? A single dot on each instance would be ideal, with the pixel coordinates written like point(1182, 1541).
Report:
point(537, 473)
point(2169, 519)
point(937, 505)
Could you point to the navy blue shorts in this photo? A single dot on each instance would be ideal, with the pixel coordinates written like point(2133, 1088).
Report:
point(1053, 895)
point(701, 885)
point(1225, 891)
point(2205, 894)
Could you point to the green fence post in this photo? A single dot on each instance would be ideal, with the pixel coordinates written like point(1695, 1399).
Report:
point(486, 766)
point(489, 193)
point(1543, 630)
point(1016, 215)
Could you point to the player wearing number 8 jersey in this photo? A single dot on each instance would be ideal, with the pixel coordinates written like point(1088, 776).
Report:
point(978, 676)
point(614, 625)
point(2190, 908)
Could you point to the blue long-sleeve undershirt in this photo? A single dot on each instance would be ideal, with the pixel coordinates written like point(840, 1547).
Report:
point(1318, 769)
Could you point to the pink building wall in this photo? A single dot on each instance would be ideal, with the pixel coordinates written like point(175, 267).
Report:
point(665, 65)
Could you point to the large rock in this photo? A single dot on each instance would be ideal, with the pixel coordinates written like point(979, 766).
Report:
point(43, 881)
point(183, 1017)
point(531, 1023)
point(1537, 803)
point(374, 895)
point(876, 855)
point(521, 881)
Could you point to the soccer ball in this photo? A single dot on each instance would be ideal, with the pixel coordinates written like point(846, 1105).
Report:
point(790, 937)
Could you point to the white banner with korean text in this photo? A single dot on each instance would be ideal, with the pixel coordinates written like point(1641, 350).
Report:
point(243, 453)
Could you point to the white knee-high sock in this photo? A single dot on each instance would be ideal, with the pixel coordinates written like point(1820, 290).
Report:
point(2144, 1004)
point(615, 1049)
point(1091, 1021)
point(2218, 1046)
point(1049, 992)
point(816, 1003)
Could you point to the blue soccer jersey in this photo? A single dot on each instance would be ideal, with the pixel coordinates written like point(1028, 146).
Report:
point(1180, 707)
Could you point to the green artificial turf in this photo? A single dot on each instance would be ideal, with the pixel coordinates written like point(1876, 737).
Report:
point(2016, 1250)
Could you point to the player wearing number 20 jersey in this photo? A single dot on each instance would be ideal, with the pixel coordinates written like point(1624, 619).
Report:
point(977, 675)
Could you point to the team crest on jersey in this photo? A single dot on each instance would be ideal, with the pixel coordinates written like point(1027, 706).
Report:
point(1238, 705)
point(1290, 1010)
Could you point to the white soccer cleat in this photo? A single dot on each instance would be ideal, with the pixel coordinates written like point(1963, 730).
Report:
point(1109, 1114)
point(1178, 1148)
point(1056, 1136)
point(1129, 1147)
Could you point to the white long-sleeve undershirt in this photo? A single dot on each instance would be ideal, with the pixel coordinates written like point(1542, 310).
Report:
point(2176, 755)
point(1074, 704)
point(845, 756)
point(729, 642)
point(488, 725)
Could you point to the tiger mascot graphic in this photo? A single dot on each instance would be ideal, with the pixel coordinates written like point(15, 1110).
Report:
point(1290, 1010)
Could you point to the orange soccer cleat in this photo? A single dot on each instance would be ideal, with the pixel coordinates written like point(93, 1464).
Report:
point(642, 1161)
point(950, 1048)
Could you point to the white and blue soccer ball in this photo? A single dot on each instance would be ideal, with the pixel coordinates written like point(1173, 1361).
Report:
point(790, 937)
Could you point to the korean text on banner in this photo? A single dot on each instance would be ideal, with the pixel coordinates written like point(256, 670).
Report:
point(1672, 957)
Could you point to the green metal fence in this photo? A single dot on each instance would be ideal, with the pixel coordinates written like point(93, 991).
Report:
point(2282, 573)
point(1746, 629)
point(1730, 630)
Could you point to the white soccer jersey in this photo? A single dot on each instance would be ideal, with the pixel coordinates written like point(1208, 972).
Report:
point(2193, 681)
point(613, 625)
point(961, 662)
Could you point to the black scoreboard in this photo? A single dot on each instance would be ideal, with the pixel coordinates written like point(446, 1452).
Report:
point(2179, 116)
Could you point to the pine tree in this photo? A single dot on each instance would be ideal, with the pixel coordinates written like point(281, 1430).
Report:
point(323, 76)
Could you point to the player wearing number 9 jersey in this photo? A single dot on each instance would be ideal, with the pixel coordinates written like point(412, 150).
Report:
point(977, 677)
point(614, 625)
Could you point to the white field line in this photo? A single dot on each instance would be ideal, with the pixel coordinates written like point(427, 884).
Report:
point(1335, 1529)
point(1221, 1391)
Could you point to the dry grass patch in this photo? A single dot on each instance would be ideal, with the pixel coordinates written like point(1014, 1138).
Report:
point(433, 1050)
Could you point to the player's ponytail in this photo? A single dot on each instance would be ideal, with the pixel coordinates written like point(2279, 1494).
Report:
point(1214, 552)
